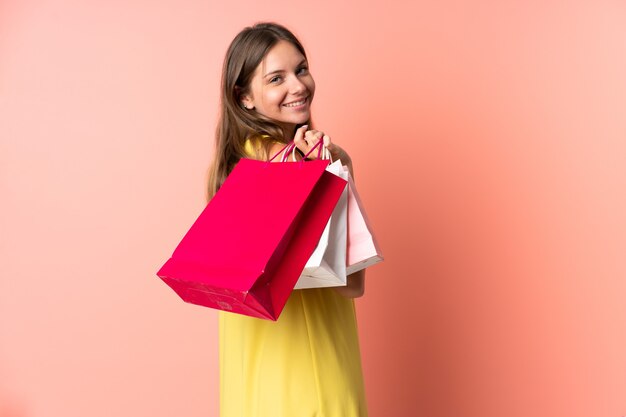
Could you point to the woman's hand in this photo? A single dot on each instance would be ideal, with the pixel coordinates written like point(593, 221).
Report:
point(305, 140)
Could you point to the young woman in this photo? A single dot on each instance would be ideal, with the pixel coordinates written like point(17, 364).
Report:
point(307, 363)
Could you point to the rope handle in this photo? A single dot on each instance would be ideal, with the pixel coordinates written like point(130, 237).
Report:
point(324, 154)
point(279, 152)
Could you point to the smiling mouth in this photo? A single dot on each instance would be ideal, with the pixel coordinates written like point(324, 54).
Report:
point(296, 103)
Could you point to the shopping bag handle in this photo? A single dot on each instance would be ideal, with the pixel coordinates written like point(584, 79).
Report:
point(279, 152)
point(291, 147)
point(325, 154)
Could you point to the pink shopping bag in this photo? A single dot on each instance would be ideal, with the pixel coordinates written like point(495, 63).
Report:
point(362, 249)
point(246, 250)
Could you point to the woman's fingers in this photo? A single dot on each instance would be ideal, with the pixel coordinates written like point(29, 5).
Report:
point(299, 140)
point(326, 140)
point(305, 140)
point(299, 136)
point(313, 136)
point(330, 146)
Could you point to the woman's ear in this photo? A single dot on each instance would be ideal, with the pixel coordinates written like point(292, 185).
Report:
point(245, 100)
point(247, 104)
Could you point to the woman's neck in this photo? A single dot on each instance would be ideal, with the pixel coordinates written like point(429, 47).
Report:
point(289, 130)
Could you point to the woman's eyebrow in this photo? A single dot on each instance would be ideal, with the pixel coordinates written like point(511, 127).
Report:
point(280, 70)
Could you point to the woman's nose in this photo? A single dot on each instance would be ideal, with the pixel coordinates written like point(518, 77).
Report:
point(296, 85)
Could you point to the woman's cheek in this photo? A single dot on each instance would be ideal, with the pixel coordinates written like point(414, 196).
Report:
point(274, 97)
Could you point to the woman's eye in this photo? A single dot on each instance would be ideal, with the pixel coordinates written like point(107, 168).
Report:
point(274, 79)
point(303, 70)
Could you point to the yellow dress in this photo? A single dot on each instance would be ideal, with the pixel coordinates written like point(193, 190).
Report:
point(306, 364)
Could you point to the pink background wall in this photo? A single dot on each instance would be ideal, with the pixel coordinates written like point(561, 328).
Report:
point(489, 141)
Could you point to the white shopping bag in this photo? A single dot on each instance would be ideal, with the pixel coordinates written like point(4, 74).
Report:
point(363, 250)
point(327, 265)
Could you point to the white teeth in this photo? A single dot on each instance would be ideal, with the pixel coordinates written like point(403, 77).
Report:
point(295, 103)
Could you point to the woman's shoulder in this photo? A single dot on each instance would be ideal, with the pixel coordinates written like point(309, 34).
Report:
point(255, 145)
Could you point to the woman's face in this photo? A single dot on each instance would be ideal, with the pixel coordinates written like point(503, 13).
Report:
point(282, 87)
